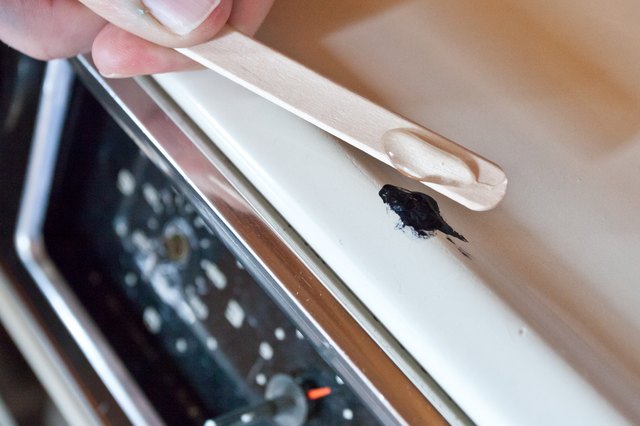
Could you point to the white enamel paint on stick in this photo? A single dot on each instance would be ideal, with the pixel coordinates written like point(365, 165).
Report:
point(415, 151)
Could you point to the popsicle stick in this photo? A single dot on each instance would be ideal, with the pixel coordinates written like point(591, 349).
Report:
point(413, 150)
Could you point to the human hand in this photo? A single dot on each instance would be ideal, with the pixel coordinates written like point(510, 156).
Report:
point(126, 37)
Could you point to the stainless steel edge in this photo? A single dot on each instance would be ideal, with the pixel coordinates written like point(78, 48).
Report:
point(6, 419)
point(41, 353)
point(31, 249)
point(186, 155)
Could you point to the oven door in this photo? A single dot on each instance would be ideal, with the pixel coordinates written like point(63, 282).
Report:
point(165, 289)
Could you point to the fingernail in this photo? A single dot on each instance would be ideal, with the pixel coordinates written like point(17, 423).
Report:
point(181, 16)
point(114, 75)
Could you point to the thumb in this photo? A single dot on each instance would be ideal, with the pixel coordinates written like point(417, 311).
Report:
point(170, 23)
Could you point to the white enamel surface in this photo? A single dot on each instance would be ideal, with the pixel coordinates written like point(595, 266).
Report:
point(541, 326)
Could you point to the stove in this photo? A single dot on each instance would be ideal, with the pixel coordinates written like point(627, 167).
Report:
point(188, 253)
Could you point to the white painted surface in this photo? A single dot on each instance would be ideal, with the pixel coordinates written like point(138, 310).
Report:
point(541, 327)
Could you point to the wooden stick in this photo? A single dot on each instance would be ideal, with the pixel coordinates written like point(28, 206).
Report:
point(413, 150)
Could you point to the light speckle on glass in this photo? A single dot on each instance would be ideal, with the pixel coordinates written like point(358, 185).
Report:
point(347, 414)
point(261, 379)
point(130, 279)
point(234, 314)
point(212, 343)
point(215, 275)
point(152, 319)
point(198, 222)
point(152, 197)
point(280, 333)
point(186, 312)
point(266, 351)
point(181, 345)
point(126, 182)
point(200, 309)
point(121, 228)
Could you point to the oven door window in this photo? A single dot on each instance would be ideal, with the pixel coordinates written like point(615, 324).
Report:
point(193, 326)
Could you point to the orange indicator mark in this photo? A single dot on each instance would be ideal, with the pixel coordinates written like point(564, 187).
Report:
point(318, 393)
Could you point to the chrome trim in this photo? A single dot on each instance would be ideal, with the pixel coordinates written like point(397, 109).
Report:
point(6, 419)
point(295, 278)
point(44, 355)
point(32, 251)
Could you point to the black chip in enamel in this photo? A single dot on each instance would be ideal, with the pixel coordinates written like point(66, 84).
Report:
point(417, 210)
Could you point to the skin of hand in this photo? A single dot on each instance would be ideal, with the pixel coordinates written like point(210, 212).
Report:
point(126, 37)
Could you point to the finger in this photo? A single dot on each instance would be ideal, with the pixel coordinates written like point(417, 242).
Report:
point(171, 23)
point(247, 15)
point(48, 29)
point(118, 53)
